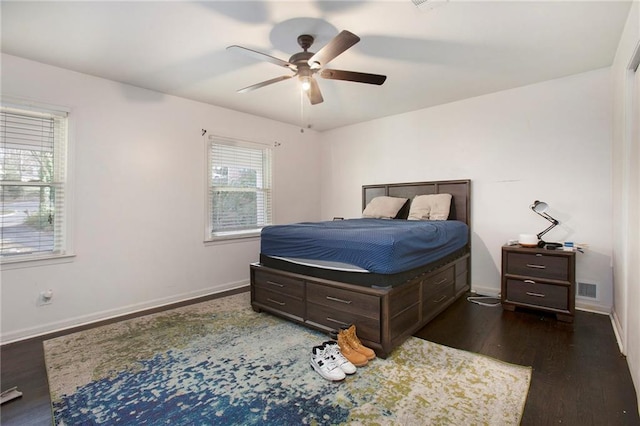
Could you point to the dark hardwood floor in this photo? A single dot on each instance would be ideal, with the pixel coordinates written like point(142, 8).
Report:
point(579, 376)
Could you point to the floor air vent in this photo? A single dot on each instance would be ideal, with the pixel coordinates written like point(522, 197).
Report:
point(587, 290)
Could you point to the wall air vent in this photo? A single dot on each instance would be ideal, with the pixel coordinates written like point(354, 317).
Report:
point(428, 4)
point(587, 290)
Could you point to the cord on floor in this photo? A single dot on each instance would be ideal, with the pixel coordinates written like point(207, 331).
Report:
point(485, 300)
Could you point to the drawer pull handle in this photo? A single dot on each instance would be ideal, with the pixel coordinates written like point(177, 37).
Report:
point(276, 302)
point(275, 283)
point(529, 281)
point(534, 294)
point(444, 296)
point(343, 324)
point(531, 265)
point(441, 281)
point(335, 299)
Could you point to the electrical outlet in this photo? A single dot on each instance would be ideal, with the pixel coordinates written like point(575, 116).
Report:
point(45, 297)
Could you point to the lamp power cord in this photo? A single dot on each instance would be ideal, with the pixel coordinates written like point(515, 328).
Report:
point(489, 301)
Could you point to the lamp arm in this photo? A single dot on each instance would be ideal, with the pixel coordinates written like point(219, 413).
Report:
point(549, 218)
point(545, 215)
point(553, 225)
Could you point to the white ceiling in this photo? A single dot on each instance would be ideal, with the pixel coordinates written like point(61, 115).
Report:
point(457, 50)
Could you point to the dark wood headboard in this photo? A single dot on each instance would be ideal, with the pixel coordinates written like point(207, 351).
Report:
point(459, 189)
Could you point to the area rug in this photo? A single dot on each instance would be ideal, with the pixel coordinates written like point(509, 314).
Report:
point(218, 362)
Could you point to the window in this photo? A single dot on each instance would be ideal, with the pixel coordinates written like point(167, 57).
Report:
point(239, 188)
point(33, 146)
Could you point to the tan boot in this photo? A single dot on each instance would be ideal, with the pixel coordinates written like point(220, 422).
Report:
point(356, 344)
point(354, 357)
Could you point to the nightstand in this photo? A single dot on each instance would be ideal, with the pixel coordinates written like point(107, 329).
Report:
point(540, 279)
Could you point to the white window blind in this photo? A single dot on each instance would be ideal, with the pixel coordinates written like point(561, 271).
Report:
point(32, 182)
point(239, 187)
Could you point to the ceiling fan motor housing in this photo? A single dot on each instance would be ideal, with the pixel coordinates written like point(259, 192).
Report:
point(301, 61)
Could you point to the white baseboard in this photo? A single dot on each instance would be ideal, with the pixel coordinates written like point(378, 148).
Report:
point(486, 291)
point(618, 330)
point(54, 327)
point(585, 305)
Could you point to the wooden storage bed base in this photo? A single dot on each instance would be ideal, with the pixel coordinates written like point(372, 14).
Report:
point(384, 317)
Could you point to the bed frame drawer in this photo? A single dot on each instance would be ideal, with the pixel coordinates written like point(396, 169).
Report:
point(405, 320)
point(538, 265)
point(438, 282)
point(337, 299)
point(438, 291)
point(283, 303)
point(279, 283)
point(404, 298)
point(435, 303)
point(462, 276)
point(528, 292)
point(332, 319)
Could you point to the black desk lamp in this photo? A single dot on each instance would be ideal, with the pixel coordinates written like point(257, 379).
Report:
point(540, 207)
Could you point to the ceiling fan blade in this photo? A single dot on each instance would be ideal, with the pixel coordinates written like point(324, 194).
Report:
point(314, 94)
point(358, 77)
point(264, 83)
point(260, 56)
point(336, 46)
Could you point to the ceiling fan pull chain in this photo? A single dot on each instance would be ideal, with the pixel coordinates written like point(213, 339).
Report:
point(301, 111)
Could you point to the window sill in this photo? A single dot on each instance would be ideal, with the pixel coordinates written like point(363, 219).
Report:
point(232, 237)
point(32, 262)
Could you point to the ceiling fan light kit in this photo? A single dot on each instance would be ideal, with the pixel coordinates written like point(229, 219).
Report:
point(305, 83)
point(305, 65)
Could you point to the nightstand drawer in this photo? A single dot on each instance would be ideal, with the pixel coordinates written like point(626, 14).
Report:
point(278, 283)
point(538, 265)
point(530, 292)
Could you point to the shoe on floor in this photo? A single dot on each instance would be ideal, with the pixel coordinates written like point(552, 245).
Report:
point(355, 357)
point(333, 350)
point(356, 344)
point(324, 365)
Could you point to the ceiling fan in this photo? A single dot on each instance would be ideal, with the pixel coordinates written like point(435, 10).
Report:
point(306, 64)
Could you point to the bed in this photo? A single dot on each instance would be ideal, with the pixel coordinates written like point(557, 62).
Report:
point(327, 275)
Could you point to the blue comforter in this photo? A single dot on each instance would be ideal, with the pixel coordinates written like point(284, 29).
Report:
point(380, 246)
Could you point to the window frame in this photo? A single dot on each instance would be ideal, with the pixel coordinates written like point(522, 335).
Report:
point(212, 236)
point(63, 228)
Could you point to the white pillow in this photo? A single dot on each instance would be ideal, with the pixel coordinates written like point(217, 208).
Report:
point(430, 207)
point(383, 207)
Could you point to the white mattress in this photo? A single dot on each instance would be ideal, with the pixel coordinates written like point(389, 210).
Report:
point(324, 264)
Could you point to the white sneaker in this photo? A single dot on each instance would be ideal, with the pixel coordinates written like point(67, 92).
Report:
point(325, 365)
point(333, 350)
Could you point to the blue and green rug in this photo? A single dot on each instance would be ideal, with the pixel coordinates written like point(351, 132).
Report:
point(218, 362)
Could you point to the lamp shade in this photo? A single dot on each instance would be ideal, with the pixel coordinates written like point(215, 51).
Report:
point(539, 206)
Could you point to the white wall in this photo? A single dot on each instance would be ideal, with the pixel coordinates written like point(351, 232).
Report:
point(549, 141)
point(139, 174)
point(626, 193)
